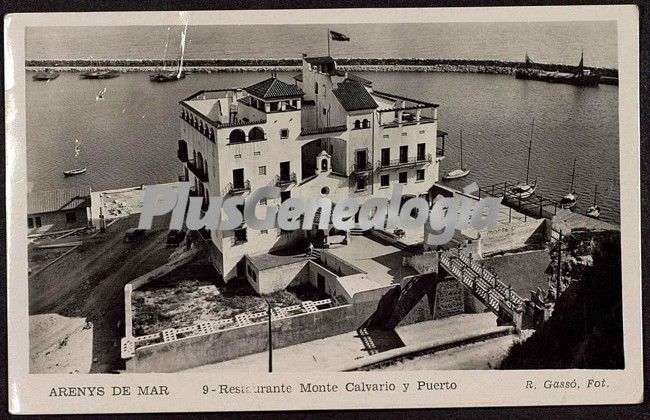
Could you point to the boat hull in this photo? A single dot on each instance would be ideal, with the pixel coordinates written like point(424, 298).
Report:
point(166, 77)
point(102, 74)
point(564, 78)
point(74, 172)
point(458, 173)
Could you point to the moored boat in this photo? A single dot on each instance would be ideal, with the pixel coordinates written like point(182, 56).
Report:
point(524, 190)
point(594, 210)
point(73, 172)
point(569, 200)
point(581, 77)
point(458, 173)
point(46, 75)
point(99, 74)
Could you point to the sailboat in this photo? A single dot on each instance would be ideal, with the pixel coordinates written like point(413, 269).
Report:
point(458, 173)
point(171, 75)
point(97, 73)
point(46, 74)
point(594, 210)
point(78, 171)
point(569, 200)
point(525, 190)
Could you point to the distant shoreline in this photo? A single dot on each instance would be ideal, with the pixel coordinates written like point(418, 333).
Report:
point(354, 64)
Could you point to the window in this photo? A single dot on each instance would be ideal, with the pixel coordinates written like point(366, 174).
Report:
point(386, 136)
point(325, 190)
point(256, 134)
point(284, 133)
point(237, 136)
point(257, 153)
point(357, 124)
point(263, 202)
point(30, 223)
point(403, 154)
point(419, 175)
point(361, 184)
point(37, 221)
point(238, 156)
point(422, 147)
point(262, 170)
point(385, 156)
point(403, 177)
point(316, 88)
point(264, 232)
point(384, 180)
point(421, 131)
point(366, 123)
point(71, 217)
point(240, 236)
point(324, 111)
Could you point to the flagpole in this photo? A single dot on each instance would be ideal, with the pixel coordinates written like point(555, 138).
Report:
point(328, 43)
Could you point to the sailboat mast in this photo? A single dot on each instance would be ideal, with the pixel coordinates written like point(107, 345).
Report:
point(573, 174)
point(166, 46)
point(595, 193)
point(530, 145)
point(461, 149)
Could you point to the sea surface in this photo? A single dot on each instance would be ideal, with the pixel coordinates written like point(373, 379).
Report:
point(545, 42)
point(130, 137)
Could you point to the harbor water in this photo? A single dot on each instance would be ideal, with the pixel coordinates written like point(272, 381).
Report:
point(130, 137)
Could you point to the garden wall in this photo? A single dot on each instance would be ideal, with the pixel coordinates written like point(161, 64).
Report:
point(231, 343)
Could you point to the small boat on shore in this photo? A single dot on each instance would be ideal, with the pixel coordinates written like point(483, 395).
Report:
point(46, 75)
point(594, 210)
point(458, 173)
point(74, 172)
point(569, 200)
point(524, 190)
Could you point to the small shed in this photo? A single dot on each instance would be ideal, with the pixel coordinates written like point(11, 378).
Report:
point(58, 210)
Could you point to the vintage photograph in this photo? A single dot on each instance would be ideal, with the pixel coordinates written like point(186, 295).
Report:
point(228, 200)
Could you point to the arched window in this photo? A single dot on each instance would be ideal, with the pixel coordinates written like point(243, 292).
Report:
point(237, 136)
point(199, 161)
point(256, 133)
point(212, 134)
point(201, 127)
point(366, 123)
point(323, 165)
point(357, 124)
point(192, 119)
point(196, 123)
point(182, 150)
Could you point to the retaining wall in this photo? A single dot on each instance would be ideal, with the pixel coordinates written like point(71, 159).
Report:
point(231, 343)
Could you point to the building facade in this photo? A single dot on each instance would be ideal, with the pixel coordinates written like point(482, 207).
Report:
point(329, 134)
point(58, 210)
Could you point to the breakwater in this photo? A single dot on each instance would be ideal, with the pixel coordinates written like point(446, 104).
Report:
point(290, 64)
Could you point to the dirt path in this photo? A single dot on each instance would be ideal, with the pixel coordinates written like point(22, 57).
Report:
point(89, 283)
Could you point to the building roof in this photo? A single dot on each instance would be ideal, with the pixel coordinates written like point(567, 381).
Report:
point(58, 200)
point(273, 88)
point(353, 77)
point(319, 60)
point(353, 96)
point(266, 260)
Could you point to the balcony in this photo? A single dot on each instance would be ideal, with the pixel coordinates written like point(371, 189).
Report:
point(283, 181)
point(238, 188)
point(404, 163)
point(199, 173)
point(362, 168)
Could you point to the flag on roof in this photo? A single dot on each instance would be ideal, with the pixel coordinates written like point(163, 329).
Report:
point(337, 36)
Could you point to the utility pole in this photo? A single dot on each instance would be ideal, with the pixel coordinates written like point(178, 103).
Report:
point(270, 339)
point(559, 267)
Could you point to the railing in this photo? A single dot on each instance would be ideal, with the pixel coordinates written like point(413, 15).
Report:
point(239, 188)
point(361, 168)
point(202, 176)
point(323, 130)
point(400, 163)
point(484, 285)
point(281, 181)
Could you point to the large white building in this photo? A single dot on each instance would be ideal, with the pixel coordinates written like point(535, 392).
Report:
point(330, 134)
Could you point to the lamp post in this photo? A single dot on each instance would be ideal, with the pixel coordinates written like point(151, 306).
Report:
point(270, 338)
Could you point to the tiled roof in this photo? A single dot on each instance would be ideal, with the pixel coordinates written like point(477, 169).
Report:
point(354, 77)
point(273, 88)
point(319, 60)
point(58, 200)
point(353, 96)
